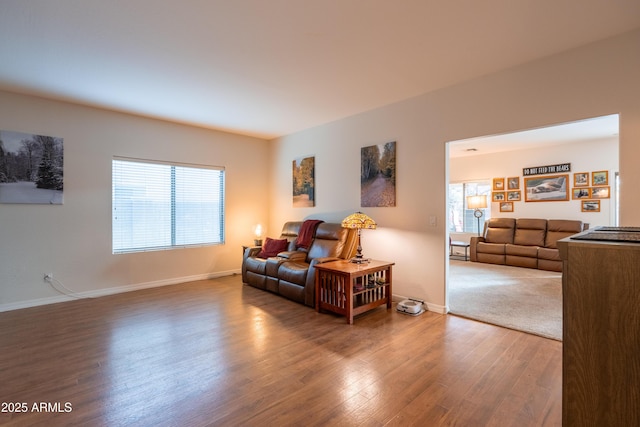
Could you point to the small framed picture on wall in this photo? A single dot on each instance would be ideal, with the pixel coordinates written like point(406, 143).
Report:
point(513, 183)
point(497, 196)
point(600, 192)
point(591, 206)
point(581, 179)
point(581, 193)
point(599, 178)
point(498, 184)
point(514, 196)
point(506, 207)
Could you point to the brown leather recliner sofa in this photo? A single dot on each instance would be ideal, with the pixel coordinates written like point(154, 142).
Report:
point(291, 272)
point(523, 242)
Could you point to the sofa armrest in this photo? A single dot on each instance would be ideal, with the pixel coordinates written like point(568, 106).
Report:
point(322, 260)
point(251, 251)
point(473, 243)
point(293, 255)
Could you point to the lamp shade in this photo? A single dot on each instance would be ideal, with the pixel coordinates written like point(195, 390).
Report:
point(476, 202)
point(358, 220)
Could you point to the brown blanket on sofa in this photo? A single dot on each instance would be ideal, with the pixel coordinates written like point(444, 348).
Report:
point(307, 231)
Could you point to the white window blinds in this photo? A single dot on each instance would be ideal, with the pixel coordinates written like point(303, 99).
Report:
point(162, 205)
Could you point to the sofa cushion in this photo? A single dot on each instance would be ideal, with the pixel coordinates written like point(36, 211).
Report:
point(549, 254)
point(530, 232)
point(329, 241)
point(490, 248)
point(273, 247)
point(290, 231)
point(500, 230)
point(255, 265)
point(294, 272)
point(521, 261)
point(559, 229)
point(523, 251)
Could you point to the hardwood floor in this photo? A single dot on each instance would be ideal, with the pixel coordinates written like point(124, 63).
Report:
point(217, 352)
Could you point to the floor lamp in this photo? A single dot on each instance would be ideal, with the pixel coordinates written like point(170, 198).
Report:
point(478, 203)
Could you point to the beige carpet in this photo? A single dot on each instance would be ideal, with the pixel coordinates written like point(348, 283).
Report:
point(524, 299)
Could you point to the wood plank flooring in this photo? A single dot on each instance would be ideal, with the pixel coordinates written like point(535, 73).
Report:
point(217, 352)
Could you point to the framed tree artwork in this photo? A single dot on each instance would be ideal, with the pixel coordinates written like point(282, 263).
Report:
point(378, 175)
point(31, 168)
point(304, 182)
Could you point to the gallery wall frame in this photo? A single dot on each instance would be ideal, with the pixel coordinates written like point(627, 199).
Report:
point(590, 205)
point(550, 188)
point(498, 184)
point(498, 196)
point(513, 183)
point(599, 178)
point(600, 192)
point(581, 193)
point(506, 206)
point(514, 196)
point(581, 179)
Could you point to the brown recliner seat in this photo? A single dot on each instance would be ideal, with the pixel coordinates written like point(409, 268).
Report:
point(528, 238)
point(549, 256)
point(291, 273)
point(492, 247)
point(297, 277)
point(254, 268)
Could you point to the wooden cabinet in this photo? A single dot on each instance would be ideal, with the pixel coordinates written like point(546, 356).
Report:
point(601, 332)
point(349, 289)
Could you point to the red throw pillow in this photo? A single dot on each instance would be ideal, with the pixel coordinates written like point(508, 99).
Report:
point(273, 247)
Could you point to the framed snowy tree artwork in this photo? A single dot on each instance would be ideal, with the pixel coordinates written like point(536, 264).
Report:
point(31, 168)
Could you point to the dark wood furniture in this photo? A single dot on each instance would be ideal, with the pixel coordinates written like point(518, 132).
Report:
point(601, 331)
point(349, 289)
point(459, 244)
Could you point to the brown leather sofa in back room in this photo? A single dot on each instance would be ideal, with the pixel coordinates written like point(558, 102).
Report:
point(523, 242)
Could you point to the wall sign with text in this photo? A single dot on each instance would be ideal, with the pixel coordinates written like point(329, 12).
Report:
point(541, 170)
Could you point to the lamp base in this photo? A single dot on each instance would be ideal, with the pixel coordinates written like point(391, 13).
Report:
point(359, 260)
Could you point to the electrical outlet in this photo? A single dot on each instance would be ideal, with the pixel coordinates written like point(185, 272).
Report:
point(48, 277)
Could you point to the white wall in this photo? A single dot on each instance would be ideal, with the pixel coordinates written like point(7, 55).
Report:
point(595, 80)
point(584, 156)
point(73, 240)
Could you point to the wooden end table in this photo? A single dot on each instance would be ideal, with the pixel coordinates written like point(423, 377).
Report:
point(348, 289)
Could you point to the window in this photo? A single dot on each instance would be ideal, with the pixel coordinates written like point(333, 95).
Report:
point(461, 219)
point(162, 205)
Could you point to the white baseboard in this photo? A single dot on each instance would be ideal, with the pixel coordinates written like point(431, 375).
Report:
point(115, 290)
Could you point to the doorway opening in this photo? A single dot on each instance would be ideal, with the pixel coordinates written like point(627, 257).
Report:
point(495, 166)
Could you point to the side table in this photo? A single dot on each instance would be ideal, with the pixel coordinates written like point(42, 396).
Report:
point(348, 289)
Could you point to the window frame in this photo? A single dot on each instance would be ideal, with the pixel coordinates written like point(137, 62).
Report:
point(469, 222)
point(169, 185)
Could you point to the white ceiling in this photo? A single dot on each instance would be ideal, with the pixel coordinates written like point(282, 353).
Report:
point(596, 129)
point(271, 68)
